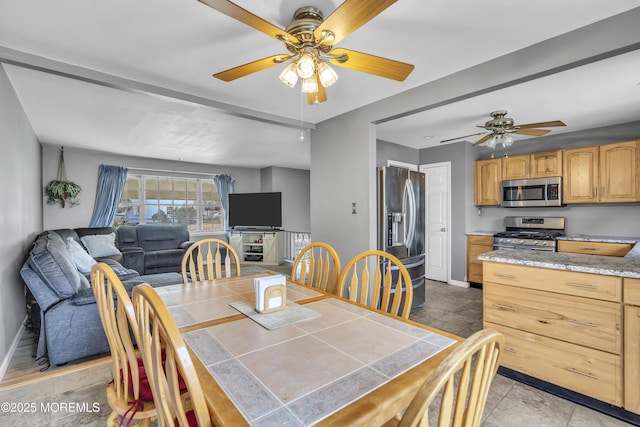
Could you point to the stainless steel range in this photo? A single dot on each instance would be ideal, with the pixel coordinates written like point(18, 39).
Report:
point(534, 233)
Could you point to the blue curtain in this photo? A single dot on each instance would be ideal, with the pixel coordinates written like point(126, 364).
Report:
point(224, 185)
point(111, 181)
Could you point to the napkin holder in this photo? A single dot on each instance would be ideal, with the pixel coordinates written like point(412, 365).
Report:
point(271, 293)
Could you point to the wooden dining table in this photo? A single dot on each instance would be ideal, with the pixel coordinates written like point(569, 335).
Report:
point(333, 363)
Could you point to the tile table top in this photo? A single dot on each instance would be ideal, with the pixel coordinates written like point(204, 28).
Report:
point(299, 374)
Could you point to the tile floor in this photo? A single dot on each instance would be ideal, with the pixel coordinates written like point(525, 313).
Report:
point(78, 399)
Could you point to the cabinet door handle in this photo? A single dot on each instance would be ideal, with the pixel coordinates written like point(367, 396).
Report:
point(506, 276)
point(510, 350)
point(586, 374)
point(581, 285)
point(589, 249)
point(505, 307)
point(578, 322)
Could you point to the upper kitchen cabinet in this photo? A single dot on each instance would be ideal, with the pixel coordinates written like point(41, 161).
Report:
point(619, 172)
point(488, 175)
point(536, 165)
point(602, 174)
point(545, 164)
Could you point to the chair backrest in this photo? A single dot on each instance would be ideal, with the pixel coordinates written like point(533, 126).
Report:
point(317, 266)
point(477, 359)
point(378, 279)
point(117, 314)
point(169, 366)
point(204, 261)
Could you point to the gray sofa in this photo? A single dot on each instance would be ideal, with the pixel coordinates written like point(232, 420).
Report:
point(70, 326)
point(153, 248)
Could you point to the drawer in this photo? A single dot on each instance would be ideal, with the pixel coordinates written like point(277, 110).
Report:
point(594, 248)
point(632, 291)
point(597, 286)
point(591, 372)
point(583, 321)
point(474, 273)
point(480, 240)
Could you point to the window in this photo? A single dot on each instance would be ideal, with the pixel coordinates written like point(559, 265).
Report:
point(171, 200)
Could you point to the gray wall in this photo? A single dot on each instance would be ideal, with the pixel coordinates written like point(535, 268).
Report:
point(389, 151)
point(294, 185)
point(82, 168)
point(21, 218)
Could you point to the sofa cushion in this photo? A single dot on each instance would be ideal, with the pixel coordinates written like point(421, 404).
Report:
point(101, 245)
point(163, 258)
point(52, 261)
point(80, 257)
point(152, 237)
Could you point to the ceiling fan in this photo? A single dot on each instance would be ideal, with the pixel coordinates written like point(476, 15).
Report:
point(500, 128)
point(310, 39)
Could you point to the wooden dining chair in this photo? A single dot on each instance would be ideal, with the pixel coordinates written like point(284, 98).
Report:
point(165, 353)
point(204, 261)
point(464, 396)
point(377, 279)
point(317, 266)
point(129, 394)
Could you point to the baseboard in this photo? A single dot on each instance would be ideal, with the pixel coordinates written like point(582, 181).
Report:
point(7, 358)
point(459, 283)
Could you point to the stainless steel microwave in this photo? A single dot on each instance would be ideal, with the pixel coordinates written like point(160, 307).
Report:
point(524, 193)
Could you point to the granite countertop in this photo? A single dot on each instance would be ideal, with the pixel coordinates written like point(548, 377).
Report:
point(481, 233)
point(627, 266)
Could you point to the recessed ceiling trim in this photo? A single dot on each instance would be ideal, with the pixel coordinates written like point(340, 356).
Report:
point(50, 66)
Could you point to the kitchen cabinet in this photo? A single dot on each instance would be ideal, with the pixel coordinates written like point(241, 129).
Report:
point(594, 248)
point(477, 244)
point(632, 345)
point(488, 176)
point(602, 174)
point(562, 327)
point(535, 165)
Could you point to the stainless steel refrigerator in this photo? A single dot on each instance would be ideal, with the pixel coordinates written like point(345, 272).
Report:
point(401, 227)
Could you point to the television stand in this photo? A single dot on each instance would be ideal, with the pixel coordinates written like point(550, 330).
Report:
point(258, 246)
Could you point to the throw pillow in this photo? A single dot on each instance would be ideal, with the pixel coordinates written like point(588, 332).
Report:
point(80, 257)
point(101, 245)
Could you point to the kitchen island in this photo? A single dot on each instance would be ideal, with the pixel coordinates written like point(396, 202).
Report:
point(571, 323)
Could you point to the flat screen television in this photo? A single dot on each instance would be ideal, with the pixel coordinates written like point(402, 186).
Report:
point(255, 210)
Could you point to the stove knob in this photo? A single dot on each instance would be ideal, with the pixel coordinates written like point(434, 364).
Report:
point(521, 240)
point(544, 243)
point(507, 241)
point(535, 242)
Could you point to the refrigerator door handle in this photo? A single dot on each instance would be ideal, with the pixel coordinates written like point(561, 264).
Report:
point(409, 192)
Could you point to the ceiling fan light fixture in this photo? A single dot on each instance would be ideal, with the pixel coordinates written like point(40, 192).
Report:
point(491, 143)
point(326, 74)
point(289, 76)
point(306, 65)
point(507, 141)
point(310, 85)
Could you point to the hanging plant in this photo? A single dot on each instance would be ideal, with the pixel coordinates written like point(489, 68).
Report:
point(62, 190)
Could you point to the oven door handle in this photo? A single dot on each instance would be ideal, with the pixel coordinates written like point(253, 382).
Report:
point(546, 192)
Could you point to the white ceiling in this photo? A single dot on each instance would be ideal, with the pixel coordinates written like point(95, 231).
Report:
point(170, 48)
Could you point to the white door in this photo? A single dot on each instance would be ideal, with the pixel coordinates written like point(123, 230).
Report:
point(437, 236)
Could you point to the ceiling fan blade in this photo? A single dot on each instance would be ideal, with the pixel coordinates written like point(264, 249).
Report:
point(236, 12)
point(319, 96)
point(460, 137)
point(542, 125)
point(246, 69)
point(349, 16)
point(483, 139)
point(533, 132)
point(371, 64)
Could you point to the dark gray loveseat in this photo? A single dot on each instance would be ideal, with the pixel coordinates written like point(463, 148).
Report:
point(70, 324)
